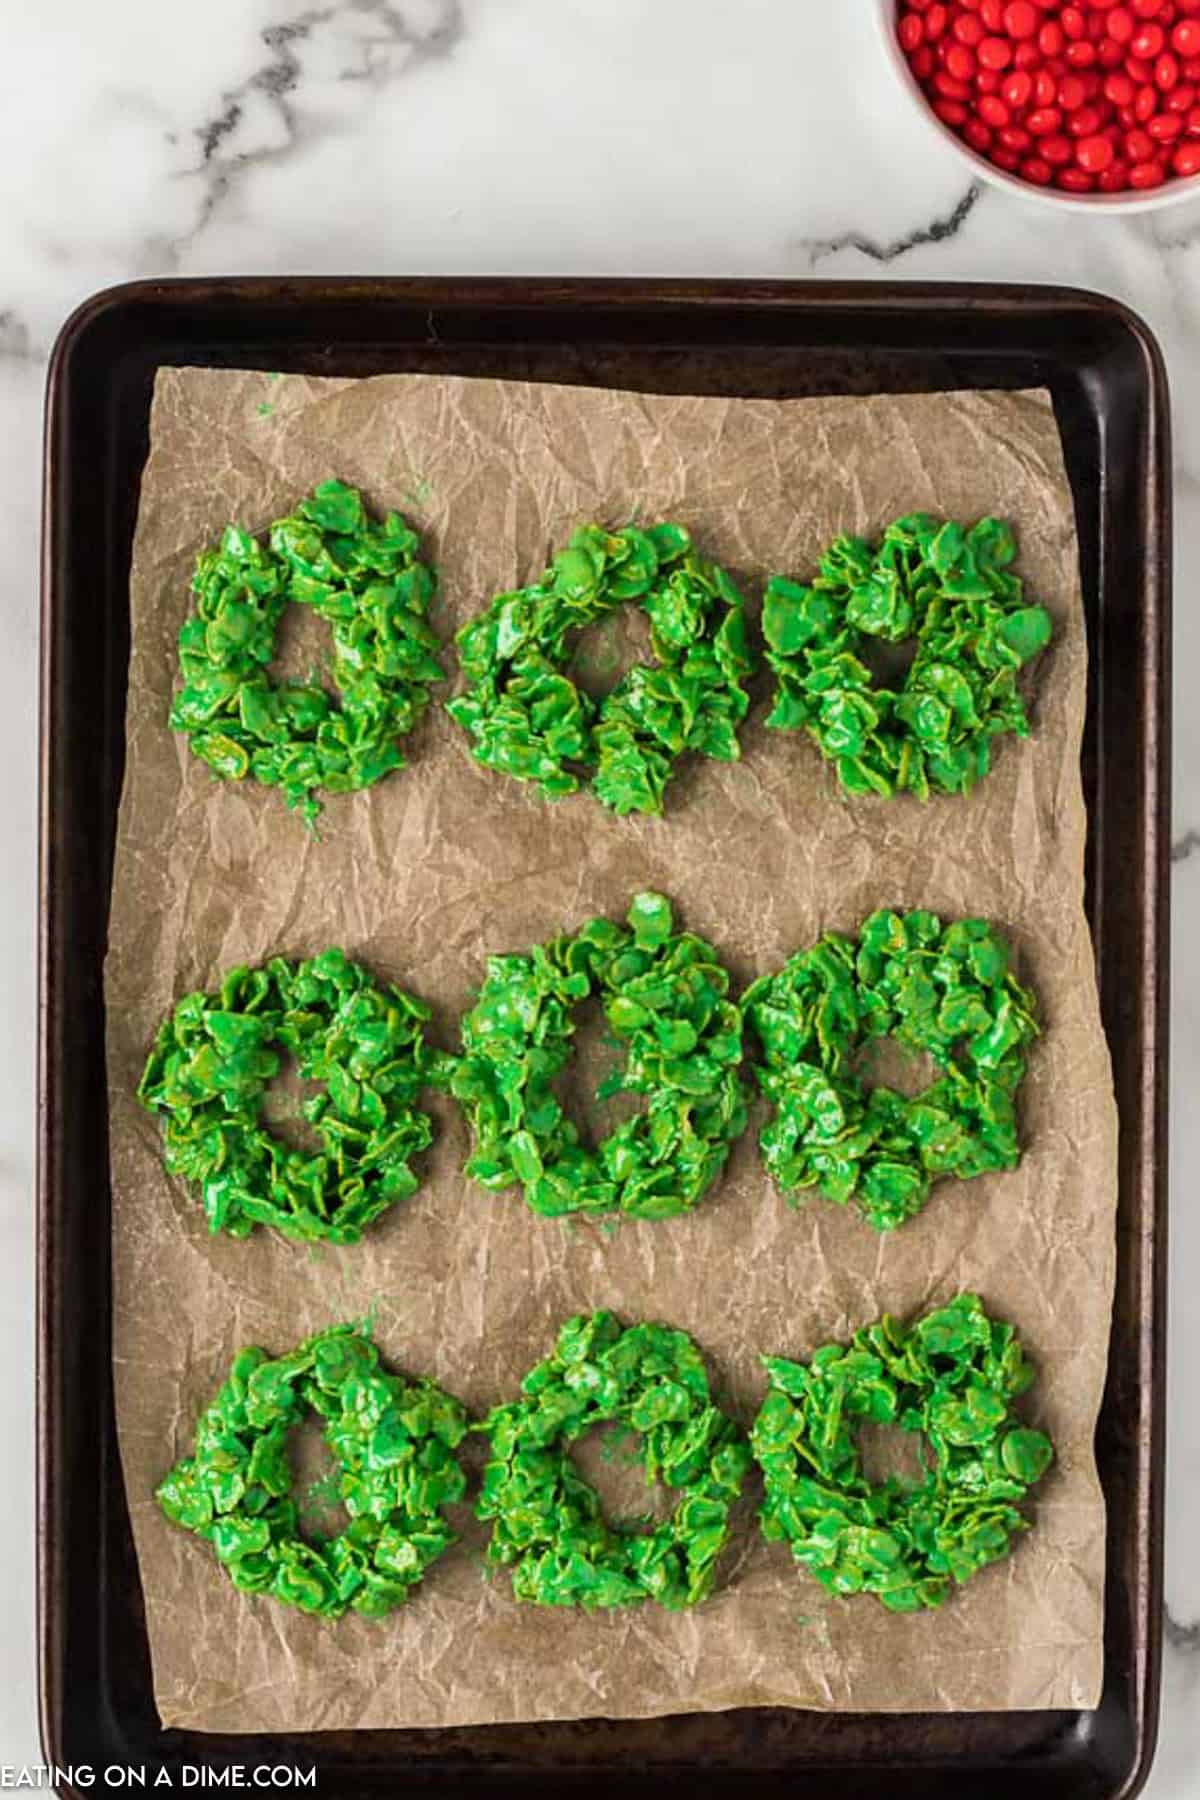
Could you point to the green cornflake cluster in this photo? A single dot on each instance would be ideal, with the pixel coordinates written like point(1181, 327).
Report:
point(949, 589)
point(209, 1069)
point(943, 990)
point(394, 1442)
point(951, 1376)
point(530, 720)
point(366, 580)
point(549, 1526)
point(664, 999)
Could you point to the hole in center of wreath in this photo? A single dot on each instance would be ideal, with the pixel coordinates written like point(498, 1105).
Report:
point(609, 1458)
point(315, 1482)
point(607, 649)
point(882, 1062)
point(597, 1060)
point(888, 1453)
point(283, 1100)
point(303, 650)
point(889, 663)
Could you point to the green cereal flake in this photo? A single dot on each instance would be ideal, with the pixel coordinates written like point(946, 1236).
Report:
point(529, 720)
point(952, 1376)
point(394, 1442)
point(548, 1524)
point(952, 592)
point(366, 581)
point(208, 1073)
point(945, 990)
point(665, 999)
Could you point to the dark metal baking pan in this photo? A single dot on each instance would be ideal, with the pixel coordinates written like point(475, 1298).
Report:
point(1106, 376)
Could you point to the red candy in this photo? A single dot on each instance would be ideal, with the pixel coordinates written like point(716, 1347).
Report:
point(1148, 42)
point(1020, 19)
point(1080, 95)
point(1094, 154)
point(949, 88)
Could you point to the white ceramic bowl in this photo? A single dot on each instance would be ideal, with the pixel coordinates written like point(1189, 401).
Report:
point(1135, 201)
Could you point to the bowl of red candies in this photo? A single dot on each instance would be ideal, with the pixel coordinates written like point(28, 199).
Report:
point(1090, 104)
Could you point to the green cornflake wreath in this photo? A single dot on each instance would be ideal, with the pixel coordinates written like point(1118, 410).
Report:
point(530, 720)
point(952, 1376)
point(549, 1526)
point(944, 990)
point(664, 997)
point(366, 580)
point(394, 1443)
point(209, 1069)
point(952, 591)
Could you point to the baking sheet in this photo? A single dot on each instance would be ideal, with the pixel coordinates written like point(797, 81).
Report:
point(445, 861)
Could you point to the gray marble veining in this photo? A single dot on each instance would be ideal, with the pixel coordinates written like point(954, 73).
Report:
point(553, 136)
point(888, 251)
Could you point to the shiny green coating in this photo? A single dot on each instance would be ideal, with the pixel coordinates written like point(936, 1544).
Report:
point(664, 995)
point(952, 1376)
point(530, 720)
point(943, 990)
point(394, 1442)
point(950, 589)
point(367, 581)
point(209, 1069)
point(549, 1526)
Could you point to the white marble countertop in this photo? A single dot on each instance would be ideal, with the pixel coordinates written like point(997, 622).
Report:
point(676, 137)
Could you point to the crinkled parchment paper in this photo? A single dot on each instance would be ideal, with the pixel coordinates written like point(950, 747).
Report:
point(424, 874)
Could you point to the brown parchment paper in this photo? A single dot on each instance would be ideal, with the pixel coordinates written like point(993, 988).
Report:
point(444, 861)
